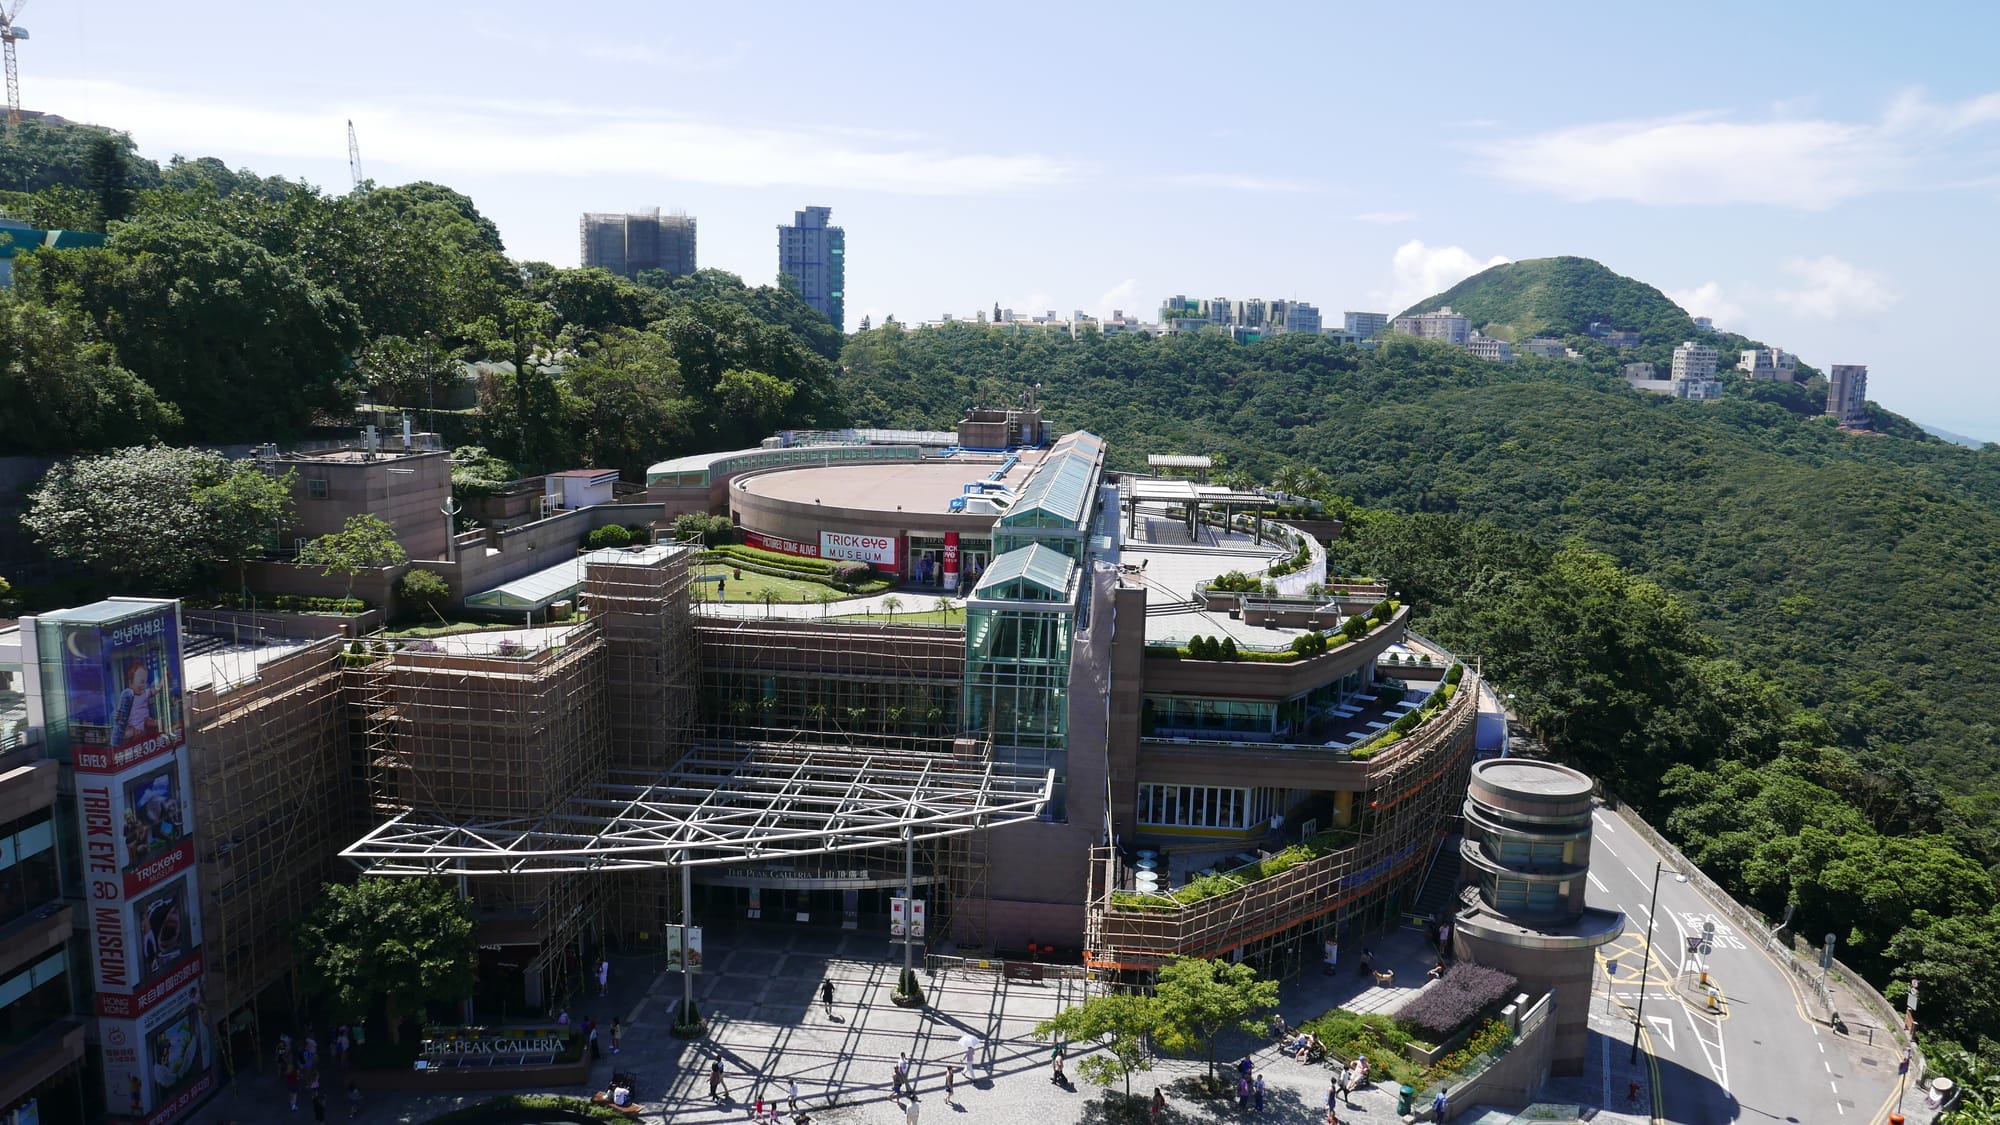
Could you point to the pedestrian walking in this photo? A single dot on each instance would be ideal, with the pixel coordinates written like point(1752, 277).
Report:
point(603, 977)
point(1055, 1065)
point(968, 1059)
point(1441, 1105)
point(292, 1086)
point(950, 1084)
point(1367, 961)
point(910, 1111)
point(896, 1081)
point(353, 1101)
point(562, 1019)
point(826, 996)
point(1257, 1089)
point(1243, 1095)
point(1334, 1091)
point(715, 1079)
point(590, 1037)
point(342, 1041)
point(319, 1107)
point(1159, 1105)
point(792, 1096)
point(616, 1028)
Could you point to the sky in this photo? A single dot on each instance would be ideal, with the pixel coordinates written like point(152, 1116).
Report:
point(1815, 175)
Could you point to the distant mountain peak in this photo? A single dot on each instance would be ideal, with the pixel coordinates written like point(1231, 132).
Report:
point(1561, 296)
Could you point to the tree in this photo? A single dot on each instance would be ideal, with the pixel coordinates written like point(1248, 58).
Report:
point(393, 943)
point(892, 603)
point(1124, 1022)
point(364, 542)
point(403, 372)
point(630, 404)
point(155, 515)
point(106, 179)
point(1200, 999)
point(61, 392)
point(421, 587)
point(239, 340)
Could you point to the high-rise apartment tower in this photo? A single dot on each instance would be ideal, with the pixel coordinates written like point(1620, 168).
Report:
point(814, 255)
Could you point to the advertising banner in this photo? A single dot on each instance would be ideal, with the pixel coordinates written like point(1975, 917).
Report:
point(158, 1065)
point(782, 546)
point(951, 560)
point(876, 550)
point(121, 688)
point(112, 685)
point(683, 949)
point(906, 914)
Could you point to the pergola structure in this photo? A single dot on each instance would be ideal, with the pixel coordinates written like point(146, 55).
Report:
point(722, 804)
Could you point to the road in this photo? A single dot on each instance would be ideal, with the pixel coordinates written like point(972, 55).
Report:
point(1757, 1058)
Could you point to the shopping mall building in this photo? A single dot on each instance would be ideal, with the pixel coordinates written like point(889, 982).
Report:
point(1064, 760)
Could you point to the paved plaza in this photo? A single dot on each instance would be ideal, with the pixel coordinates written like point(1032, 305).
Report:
point(767, 1028)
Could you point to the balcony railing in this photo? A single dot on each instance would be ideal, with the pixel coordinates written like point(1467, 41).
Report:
point(1126, 930)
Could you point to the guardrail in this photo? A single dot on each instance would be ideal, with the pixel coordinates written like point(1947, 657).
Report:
point(1751, 923)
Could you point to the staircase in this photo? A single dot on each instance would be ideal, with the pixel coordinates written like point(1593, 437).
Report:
point(1438, 897)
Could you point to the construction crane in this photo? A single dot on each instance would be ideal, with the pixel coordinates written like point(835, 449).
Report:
point(353, 154)
point(9, 32)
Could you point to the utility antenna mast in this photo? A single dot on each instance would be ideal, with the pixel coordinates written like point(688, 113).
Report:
point(9, 32)
point(353, 145)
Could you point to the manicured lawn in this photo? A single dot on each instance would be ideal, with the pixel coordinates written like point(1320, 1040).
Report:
point(753, 586)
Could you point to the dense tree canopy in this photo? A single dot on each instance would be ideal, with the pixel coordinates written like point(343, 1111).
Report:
point(239, 340)
point(161, 518)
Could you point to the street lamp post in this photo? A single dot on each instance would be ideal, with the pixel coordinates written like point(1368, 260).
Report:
point(1646, 964)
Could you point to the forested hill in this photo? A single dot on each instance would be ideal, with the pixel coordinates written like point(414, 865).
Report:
point(1801, 683)
point(1858, 571)
point(1561, 297)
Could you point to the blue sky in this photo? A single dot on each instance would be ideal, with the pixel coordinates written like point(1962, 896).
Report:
point(1824, 177)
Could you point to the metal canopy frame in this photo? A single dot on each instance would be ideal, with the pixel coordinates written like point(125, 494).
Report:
point(722, 804)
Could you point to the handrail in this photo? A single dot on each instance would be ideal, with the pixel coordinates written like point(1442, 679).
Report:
point(1312, 884)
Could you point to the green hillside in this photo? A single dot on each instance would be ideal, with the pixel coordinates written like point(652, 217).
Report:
point(1797, 649)
point(1561, 297)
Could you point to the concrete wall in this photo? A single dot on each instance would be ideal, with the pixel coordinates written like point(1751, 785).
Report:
point(406, 490)
point(1569, 973)
point(789, 519)
point(1517, 1077)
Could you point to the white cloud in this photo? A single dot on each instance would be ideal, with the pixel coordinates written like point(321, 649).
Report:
point(437, 139)
point(1124, 295)
point(1827, 288)
point(1237, 181)
point(1706, 158)
point(1708, 299)
point(1385, 218)
point(1419, 271)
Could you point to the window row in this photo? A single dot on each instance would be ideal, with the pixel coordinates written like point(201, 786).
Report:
point(1205, 806)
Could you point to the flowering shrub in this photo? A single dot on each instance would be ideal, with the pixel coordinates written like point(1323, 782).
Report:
point(1462, 993)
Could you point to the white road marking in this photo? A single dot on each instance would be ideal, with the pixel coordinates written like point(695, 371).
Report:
point(1635, 874)
point(1606, 845)
point(1666, 1025)
point(1598, 883)
point(1822, 1048)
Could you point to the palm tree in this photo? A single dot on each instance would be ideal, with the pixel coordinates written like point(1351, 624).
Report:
point(892, 603)
point(944, 610)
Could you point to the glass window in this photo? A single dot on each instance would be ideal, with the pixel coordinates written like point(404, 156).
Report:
point(28, 877)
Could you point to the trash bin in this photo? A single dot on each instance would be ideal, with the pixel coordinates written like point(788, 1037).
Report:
point(1404, 1096)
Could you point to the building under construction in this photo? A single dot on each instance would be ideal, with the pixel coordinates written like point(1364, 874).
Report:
point(627, 244)
point(1054, 760)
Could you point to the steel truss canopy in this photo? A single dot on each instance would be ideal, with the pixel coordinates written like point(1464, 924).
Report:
point(721, 805)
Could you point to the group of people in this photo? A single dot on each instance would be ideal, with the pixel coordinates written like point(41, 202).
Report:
point(299, 1070)
point(1249, 1087)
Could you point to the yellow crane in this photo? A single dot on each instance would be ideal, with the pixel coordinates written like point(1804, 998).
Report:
point(9, 33)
